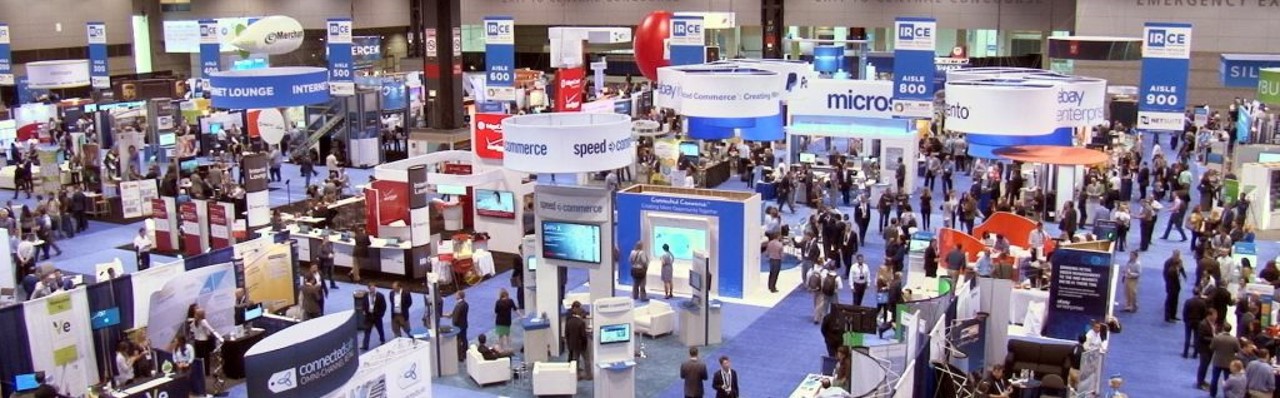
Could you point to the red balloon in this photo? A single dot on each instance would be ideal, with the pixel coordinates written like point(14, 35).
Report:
point(650, 42)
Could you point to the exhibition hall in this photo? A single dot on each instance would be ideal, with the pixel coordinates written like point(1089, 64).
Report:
point(643, 198)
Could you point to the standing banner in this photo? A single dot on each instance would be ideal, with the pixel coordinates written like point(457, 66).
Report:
point(210, 55)
point(257, 206)
point(488, 141)
point(1166, 63)
point(570, 84)
point(136, 197)
point(269, 276)
point(61, 340)
point(212, 288)
point(99, 73)
point(6, 58)
point(164, 217)
point(340, 66)
point(50, 177)
point(192, 235)
point(219, 226)
point(500, 58)
point(913, 67)
point(687, 43)
point(1080, 292)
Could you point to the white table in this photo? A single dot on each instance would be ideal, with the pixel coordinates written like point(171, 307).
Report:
point(810, 386)
point(483, 261)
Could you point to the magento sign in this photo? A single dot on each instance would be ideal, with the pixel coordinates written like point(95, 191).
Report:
point(487, 139)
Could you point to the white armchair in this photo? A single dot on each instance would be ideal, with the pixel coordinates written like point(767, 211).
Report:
point(655, 319)
point(555, 378)
point(487, 372)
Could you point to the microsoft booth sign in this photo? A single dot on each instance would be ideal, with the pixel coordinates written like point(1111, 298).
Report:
point(846, 98)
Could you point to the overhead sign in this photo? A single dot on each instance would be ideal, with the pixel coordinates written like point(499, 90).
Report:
point(500, 58)
point(488, 141)
point(687, 40)
point(341, 79)
point(58, 74)
point(304, 360)
point(1241, 70)
point(984, 106)
point(366, 51)
point(719, 92)
point(1081, 100)
point(6, 58)
point(99, 73)
point(914, 71)
point(570, 89)
point(567, 142)
point(1166, 62)
point(274, 35)
point(845, 98)
point(269, 88)
point(210, 57)
point(1268, 86)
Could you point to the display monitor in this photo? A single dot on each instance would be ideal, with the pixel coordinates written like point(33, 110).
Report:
point(25, 382)
point(168, 139)
point(253, 312)
point(451, 189)
point(682, 241)
point(689, 148)
point(188, 166)
point(214, 128)
point(808, 158)
point(491, 203)
point(615, 333)
point(105, 318)
point(571, 241)
point(532, 262)
point(1268, 157)
point(695, 281)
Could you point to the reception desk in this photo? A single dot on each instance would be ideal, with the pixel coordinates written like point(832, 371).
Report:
point(385, 256)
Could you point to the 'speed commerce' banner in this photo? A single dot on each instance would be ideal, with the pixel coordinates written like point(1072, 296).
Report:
point(913, 74)
point(1166, 61)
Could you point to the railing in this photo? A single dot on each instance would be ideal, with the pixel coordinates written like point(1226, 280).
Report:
point(331, 117)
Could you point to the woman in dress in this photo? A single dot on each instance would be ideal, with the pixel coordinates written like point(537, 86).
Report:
point(502, 309)
point(668, 271)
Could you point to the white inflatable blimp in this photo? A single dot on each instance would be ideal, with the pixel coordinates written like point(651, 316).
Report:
point(271, 35)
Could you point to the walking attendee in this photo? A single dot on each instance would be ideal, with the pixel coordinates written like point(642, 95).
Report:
point(401, 302)
point(1177, 211)
point(668, 269)
point(142, 246)
point(862, 216)
point(859, 276)
point(1173, 277)
point(375, 308)
point(725, 382)
point(639, 272)
point(1224, 347)
point(503, 310)
point(1147, 216)
point(828, 285)
point(693, 372)
point(1122, 219)
point(324, 257)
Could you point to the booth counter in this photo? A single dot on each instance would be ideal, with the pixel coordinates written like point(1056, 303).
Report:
point(7, 174)
point(391, 257)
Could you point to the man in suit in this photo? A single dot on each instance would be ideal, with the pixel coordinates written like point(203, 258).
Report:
point(401, 301)
point(725, 381)
point(849, 246)
point(693, 372)
point(1194, 311)
point(459, 319)
point(862, 216)
point(1173, 277)
point(1205, 333)
point(1067, 221)
point(1224, 346)
point(375, 307)
point(312, 298)
point(576, 336)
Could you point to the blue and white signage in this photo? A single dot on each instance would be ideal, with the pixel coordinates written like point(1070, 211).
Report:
point(720, 92)
point(844, 98)
point(366, 51)
point(984, 106)
point(500, 58)
point(6, 58)
point(1081, 100)
point(1166, 61)
point(913, 67)
point(99, 74)
point(687, 40)
point(1241, 70)
point(269, 88)
point(828, 59)
point(340, 66)
point(210, 58)
point(567, 142)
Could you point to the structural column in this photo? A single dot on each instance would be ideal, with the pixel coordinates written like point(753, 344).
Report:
point(442, 62)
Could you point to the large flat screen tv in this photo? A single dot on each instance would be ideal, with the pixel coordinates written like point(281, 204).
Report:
point(682, 241)
point(571, 241)
point(616, 333)
point(105, 318)
point(491, 203)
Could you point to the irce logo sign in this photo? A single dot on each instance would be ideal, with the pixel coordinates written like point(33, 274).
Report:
point(1162, 38)
point(683, 28)
point(338, 29)
point(496, 28)
point(909, 31)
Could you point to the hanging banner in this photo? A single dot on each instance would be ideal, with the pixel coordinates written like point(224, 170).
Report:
point(99, 73)
point(1268, 88)
point(500, 58)
point(913, 70)
point(688, 43)
point(1166, 62)
point(366, 51)
point(570, 84)
point(488, 135)
point(278, 87)
point(210, 58)
point(1241, 70)
point(1079, 293)
point(6, 58)
point(340, 65)
point(61, 342)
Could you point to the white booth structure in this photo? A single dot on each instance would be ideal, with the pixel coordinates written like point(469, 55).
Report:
point(614, 346)
point(861, 112)
point(1265, 196)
